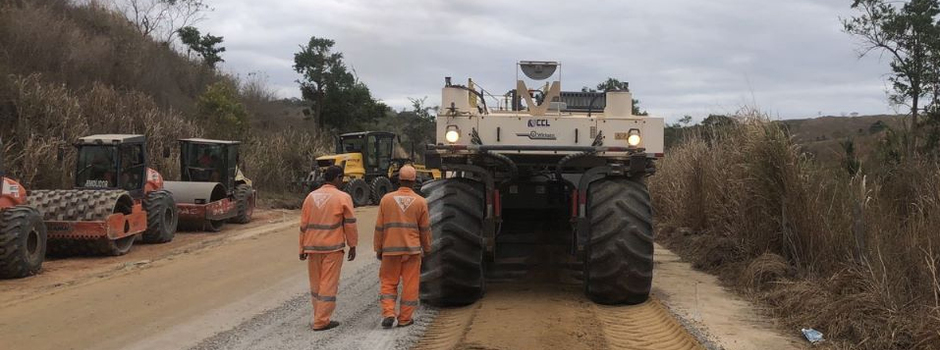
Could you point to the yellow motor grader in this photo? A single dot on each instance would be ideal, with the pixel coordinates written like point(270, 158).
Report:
point(370, 166)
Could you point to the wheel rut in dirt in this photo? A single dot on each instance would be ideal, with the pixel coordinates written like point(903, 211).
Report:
point(552, 316)
point(645, 326)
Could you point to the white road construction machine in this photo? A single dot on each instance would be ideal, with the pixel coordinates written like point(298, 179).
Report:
point(545, 178)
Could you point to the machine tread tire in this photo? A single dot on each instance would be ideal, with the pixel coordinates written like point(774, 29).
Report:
point(618, 267)
point(16, 225)
point(452, 273)
point(244, 204)
point(160, 228)
point(380, 187)
point(359, 191)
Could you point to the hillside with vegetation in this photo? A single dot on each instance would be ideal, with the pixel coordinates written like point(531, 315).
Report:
point(74, 68)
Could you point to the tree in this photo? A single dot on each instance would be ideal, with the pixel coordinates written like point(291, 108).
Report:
point(338, 98)
point(850, 160)
point(685, 120)
point(717, 120)
point(909, 35)
point(613, 84)
point(222, 113)
point(418, 123)
point(162, 19)
point(204, 46)
point(319, 66)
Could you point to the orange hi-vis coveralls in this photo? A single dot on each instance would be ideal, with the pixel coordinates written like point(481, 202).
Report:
point(402, 233)
point(327, 225)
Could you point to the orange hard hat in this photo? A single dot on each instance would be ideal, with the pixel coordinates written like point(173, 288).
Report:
point(407, 173)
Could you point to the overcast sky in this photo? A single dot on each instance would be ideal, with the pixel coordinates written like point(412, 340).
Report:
point(681, 57)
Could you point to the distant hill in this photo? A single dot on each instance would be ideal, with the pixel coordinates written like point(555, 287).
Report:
point(822, 137)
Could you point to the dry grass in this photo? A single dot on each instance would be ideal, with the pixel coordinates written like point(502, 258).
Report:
point(50, 117)
point(782, 228)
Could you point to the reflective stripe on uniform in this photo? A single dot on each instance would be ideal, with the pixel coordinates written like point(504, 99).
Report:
point(388, 296)
point(326, 298)
point(409, 302)
point(401, 249)
point(425, 229)
point(325, 248)
point(401, 225)
point(314, 295)
point(349, 221)
point(323, 227)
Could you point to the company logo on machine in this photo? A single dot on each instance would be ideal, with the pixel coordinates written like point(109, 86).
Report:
point(537, 122)
point(535, 135)
point(320, 198)
point(96, 183)
point(404, 202)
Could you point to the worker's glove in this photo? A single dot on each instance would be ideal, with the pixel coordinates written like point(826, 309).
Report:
point(303, 256)
point(352, 254)
point(378, 255)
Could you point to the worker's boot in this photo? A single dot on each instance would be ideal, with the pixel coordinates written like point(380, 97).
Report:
point(388, 322)
point(331, 325)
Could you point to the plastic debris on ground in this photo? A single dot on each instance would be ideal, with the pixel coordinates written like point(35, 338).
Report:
point(814, 336)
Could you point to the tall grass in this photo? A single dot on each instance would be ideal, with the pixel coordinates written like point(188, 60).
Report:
point(856, 257)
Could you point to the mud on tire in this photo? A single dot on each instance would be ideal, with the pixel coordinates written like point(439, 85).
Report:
point(618, 267)
point(359, 191)
point(380, 186)
point(452, 274)
point(22, 242)
point(244, 204)
point(162, 217)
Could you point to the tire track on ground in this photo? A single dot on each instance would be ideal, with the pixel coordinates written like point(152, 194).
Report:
point(449, 328)
point(645, 326)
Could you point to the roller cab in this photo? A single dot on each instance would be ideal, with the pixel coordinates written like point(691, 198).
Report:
point(117, 198)
point(212, 189)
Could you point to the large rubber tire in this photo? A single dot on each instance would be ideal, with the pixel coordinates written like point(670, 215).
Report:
point(619, 261)
point(452, 274)
point(22, 242)
point(380, 186)
point(359, 191)
point(244, 204)
point(162, 217)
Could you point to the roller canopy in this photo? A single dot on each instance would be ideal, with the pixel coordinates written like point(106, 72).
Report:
point(189, 192)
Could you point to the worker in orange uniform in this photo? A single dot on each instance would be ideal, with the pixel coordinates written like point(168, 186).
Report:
point(402, 237)
point(327, 226)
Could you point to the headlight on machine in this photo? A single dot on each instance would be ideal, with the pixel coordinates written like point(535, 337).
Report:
point(452, 134)
point(634, 137)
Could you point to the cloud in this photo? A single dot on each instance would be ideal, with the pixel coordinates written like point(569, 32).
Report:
point(680, 56)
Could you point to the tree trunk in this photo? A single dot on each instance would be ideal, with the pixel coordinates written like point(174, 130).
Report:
point(912, 138)
point(319, 114)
